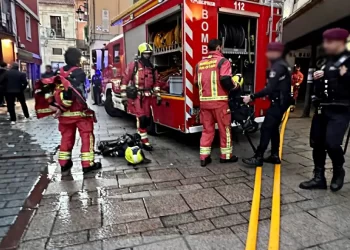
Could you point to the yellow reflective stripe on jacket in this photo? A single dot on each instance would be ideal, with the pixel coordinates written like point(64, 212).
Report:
point(66, 103)
point(77, 113)
point(200, 85)
point(156, 88)
point(216, 98)
point(123, 87)
point(43, 111)
point(214, 84)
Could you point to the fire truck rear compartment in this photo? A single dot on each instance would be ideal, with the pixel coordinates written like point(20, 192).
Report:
point(165, 35)
point(238, 34)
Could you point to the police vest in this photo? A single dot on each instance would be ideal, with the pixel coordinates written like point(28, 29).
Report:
point(210, 90)
point(333, 91)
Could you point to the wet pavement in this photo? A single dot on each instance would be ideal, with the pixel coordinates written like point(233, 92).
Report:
point(169, 204)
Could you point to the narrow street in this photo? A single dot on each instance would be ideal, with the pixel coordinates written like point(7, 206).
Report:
point(171, 203)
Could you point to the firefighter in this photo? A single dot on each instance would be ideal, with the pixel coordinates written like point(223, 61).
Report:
point(278, 89)
point(297, 80)
point(213, 76)
point(138, 96)
point(331, 119)
point(74, 114)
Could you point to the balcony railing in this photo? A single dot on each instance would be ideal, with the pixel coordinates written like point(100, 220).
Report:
point(60, 33)
point(6, 24)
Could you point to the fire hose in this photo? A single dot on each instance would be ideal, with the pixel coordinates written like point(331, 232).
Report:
point(232, 35)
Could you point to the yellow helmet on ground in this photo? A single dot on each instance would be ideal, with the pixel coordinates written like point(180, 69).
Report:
point(133, 155)
point(145, 48)
point(237, 78)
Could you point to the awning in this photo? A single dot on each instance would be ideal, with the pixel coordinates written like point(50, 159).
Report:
point(24, 55)
point(313, 16)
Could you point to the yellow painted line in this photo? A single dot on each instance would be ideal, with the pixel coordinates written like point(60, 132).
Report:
point(173, 97)
point(274, 241)
point(254, 212)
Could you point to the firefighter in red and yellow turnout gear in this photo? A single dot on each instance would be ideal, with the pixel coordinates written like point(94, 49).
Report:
point(67, 100)
point(297, 80)
point(140, 90)
point(213, 76)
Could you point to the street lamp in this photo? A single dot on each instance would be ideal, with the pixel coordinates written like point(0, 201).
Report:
point(80, 12)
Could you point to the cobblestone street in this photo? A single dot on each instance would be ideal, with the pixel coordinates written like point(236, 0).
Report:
point(170, 204)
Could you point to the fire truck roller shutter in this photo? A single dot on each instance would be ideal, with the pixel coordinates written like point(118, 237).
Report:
point(133, 38)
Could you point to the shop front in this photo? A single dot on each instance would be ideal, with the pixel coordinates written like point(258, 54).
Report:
point(29, 64)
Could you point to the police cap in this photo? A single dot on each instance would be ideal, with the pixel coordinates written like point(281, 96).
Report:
point(275, 46)
point(336, 34)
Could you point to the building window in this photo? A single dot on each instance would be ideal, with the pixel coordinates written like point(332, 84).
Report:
point(56, 25)
point(116, 51)
point(28, 27)
point(56, 51)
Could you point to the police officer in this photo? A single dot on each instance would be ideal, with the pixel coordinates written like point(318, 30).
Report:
point(278, 89)
point(331, 119)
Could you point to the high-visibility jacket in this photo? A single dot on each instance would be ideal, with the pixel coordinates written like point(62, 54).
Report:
point(209, 71)
point(297, 78)
point(146, 79)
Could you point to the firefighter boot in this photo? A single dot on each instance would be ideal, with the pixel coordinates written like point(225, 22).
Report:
point(338, 178)
point(273, 159)
point(67, 166)
point(317, 182)
point(255, 161)
point(95, 166)
point(147, 147)
point(232, 160)
point(206, 161)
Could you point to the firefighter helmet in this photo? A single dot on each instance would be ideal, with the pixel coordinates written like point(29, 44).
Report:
point(133, 155)
point(145, 48)
point(238, 79)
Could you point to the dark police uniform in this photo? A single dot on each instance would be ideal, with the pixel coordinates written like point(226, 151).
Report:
point(278, 90)
point(330, 122)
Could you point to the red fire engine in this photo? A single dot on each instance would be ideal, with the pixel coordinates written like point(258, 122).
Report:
point(179, 31)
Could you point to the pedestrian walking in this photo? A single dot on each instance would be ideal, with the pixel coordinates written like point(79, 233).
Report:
point(331, 119)
point(278, 90)
point(3, 69)
point(213, 76)
point(48, 72)
point(16, 83)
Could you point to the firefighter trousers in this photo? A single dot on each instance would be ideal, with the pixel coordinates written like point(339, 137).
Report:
point(327, 132)
point(141, 107)
point(222, 117)
point(68, 129)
